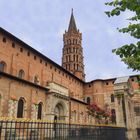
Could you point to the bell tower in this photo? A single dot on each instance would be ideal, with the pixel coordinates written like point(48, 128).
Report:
point(72, 59)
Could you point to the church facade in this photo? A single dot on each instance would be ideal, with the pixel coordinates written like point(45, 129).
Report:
point(33, 86)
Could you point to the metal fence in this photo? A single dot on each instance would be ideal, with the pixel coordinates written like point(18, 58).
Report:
point(39, 130)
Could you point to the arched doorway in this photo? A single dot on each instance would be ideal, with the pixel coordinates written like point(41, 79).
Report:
point(59, 112)
point(59, 115)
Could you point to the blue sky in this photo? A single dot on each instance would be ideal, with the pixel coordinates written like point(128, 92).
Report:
point(41, 24)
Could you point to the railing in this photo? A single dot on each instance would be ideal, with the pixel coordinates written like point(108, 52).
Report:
point(13, 129)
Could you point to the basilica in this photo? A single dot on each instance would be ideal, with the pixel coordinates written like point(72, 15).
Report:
point(35, 87)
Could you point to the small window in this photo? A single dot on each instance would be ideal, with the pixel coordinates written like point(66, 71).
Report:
point(46, 64)
point(132, 80)
point(107, 83)
point(50, 67)
point(40, 60)
point(34, 57)
point(89, 85)
point(2, 66)
point(4, 40)
point(13, 45)
point(21, 74)
point(112, 98)
point(28, 53)
point(21, 49)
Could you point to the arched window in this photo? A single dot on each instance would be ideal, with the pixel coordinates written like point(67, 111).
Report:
point(69, 42)
point(2, 66)
point(77, 67)
point(69, 57)
point(20, 108)
point(39, 113)
point(73, 41)
point(69, 67)
point(73, 49)
point(77, 58)
point(88, 100)
point(112, 98)
point(76, 41)
point(21, 74)
point(74, 66)
point(74, 58)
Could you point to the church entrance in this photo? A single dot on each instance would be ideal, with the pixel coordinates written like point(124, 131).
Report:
point(59, 112)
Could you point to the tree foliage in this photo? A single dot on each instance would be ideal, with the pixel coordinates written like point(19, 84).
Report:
point(101, 115)
point(129, 53)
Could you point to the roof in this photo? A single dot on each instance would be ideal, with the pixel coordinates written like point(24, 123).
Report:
point(120, 80)
point(101, 80)
point(79, 101)
point(72, 24)
point(110, 79)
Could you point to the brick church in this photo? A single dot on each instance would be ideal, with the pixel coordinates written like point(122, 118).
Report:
point(35, 87)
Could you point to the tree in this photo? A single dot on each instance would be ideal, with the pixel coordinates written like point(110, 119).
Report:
point(99, 114)
point(129, 53)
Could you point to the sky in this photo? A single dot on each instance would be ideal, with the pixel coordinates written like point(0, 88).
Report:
point(41, 24)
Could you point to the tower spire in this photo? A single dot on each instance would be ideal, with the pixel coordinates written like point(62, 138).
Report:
point(72, 23)
point(72, 59)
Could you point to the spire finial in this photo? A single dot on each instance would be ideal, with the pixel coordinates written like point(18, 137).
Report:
point(72, 10)
point(72, 24)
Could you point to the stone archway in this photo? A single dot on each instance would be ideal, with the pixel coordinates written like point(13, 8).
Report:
point(60, 112)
